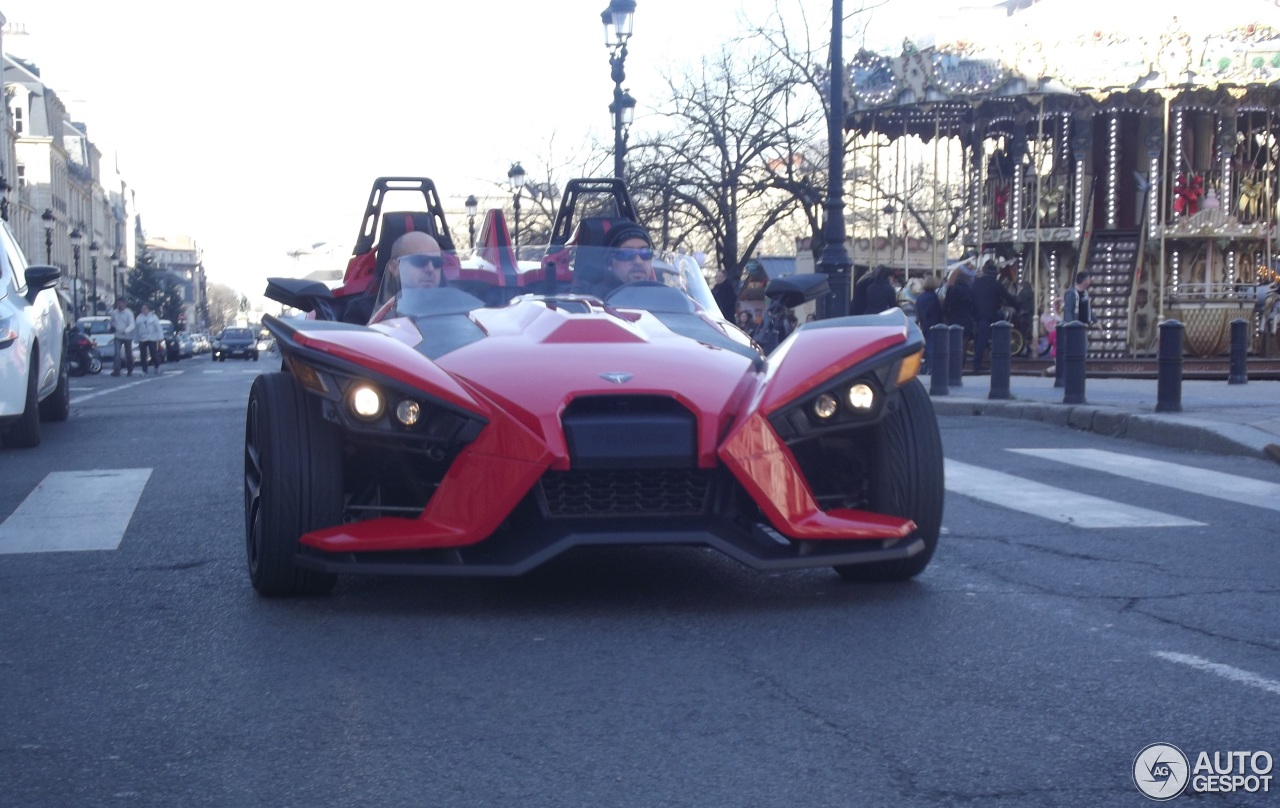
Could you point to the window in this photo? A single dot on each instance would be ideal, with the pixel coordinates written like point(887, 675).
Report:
point(22, 176)
point(17, 120)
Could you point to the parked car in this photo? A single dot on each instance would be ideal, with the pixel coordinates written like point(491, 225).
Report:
point(186, 346)
point(99, 330)
point(34, 383)
point(237, 343)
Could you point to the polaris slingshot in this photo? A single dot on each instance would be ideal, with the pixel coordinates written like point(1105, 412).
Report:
point(486, 425)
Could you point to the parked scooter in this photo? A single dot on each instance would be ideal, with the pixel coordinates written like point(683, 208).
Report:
point(82, 354)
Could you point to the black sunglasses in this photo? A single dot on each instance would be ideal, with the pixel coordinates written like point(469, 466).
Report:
point(422, 260)
point(624, 256)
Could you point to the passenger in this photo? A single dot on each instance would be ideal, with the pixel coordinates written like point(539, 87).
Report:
point(629, 259)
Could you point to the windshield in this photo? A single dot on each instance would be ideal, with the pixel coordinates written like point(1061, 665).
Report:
point(410, 283)
point(237, 333)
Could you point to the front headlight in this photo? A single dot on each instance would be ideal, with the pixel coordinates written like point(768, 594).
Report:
point(862, 397)
point(365, 401)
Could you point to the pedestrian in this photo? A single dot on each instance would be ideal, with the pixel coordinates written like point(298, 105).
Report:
point(123, 326)
point(988, 298)
point(775, 326)
point(859, 303)
point(957, 306)
point(928, 312)
point(881, 294)
point(745, 321)
point(1075, 303)
point(725, 293)
point(149, 333)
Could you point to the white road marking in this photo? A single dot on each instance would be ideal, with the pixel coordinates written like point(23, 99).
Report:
point(102, 391)
point(74, 510)
point(1225, 671)
point(1172, 475)
point(1048, 502)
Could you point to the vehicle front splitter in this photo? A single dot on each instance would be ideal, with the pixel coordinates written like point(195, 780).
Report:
point(761, 549)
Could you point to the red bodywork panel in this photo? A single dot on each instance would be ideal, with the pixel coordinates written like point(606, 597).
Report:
point(538, 357)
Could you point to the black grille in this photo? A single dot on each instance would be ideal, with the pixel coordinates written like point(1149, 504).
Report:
point(631, 492)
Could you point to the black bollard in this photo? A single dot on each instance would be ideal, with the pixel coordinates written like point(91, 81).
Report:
point(939, 359)
point(1071, 353)
point(1169, 368)
point(955, 364)
point(1057, 355)
point(1239, 373)
point(1001, 359)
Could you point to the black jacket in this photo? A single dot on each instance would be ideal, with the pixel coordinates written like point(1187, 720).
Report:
point(928, 310)
point(957, 306)
point(988, 296)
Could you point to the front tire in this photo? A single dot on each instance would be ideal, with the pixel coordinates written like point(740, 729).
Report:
point(57, 407)
point(25, 433)
point(909, 481)
point(292, 484)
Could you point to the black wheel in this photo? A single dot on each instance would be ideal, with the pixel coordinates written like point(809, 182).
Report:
point(95, 364)
point(57, 407)
point(909, 481)
point(292, 484)
point(25, 432)
point(1017, 343)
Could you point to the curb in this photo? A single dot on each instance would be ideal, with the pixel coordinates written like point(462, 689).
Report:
point(1174, 431)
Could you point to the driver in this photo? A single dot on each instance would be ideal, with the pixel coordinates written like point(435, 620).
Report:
point(416, 262)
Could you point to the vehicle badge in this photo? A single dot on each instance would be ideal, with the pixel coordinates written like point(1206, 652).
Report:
point(616, 378)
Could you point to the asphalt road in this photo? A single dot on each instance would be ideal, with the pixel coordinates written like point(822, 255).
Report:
point(1028, 665)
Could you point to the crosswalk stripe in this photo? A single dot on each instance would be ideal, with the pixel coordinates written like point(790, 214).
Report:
point(74, 510)
point(1230, 487)
point(1048, 502)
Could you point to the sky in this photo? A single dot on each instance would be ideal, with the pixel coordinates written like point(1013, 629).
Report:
point(257, 128)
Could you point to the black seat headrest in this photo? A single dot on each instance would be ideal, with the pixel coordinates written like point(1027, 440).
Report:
point(593, 231)
point(394, 225)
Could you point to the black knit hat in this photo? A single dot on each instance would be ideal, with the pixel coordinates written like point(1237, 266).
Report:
point(628, 230)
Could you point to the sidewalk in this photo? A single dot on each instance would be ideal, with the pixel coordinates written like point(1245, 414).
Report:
point(1239, 419)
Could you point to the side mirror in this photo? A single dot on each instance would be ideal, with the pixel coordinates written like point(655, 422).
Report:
point(298, 293)
point(39, 278)
point(796, 290)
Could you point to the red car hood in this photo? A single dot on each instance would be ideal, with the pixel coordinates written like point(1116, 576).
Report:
point(536, 360)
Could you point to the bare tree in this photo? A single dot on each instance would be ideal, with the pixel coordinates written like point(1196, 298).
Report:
point(710, 179)
point(223, 303)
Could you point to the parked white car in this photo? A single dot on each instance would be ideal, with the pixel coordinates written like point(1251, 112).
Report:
point(33, 365)
point(98, 328)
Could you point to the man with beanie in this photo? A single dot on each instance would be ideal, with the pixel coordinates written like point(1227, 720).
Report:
point(988, 296)
point(629, 259)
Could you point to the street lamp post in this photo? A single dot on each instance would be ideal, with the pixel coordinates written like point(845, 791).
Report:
point(472, 207)
point(115, 274)
point(516, 175)
point(835, 259)
point(77, 238)
point(47, 218)
point(618, 19)
point(94, 249)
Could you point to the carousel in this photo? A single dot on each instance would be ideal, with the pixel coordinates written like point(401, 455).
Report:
point(1145, 155)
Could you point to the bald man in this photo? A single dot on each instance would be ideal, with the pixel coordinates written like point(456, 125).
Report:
point(416, 261)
